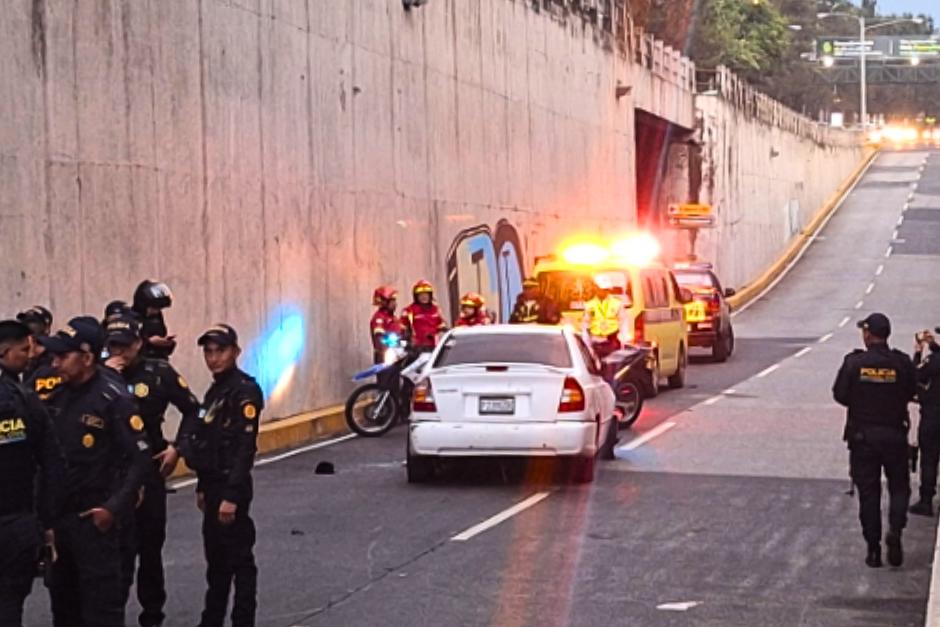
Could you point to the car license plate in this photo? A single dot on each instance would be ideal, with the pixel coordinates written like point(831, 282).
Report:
point(695, 311)
point(501, 405)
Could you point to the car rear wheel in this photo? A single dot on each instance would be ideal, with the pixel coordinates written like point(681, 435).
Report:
point(610, 442)
point(722, 347)
point(583, 469)
point(654, 378)
point(677, 380)
point(420, 468)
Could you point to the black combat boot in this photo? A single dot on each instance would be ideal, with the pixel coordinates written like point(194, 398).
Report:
point(895, 552)
point(873, 559)
point(923, 507)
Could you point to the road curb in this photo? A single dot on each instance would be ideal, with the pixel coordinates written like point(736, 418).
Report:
point(754, 290)
point(294, 431)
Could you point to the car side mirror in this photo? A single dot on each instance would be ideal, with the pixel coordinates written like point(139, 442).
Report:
point(685, 295)
point(729, 292)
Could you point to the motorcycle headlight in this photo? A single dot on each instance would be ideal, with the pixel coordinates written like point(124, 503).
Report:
point(390, 357)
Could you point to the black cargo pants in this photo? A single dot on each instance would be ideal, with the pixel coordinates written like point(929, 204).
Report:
point(230, 559)
point(19, 547)
point(871, 451)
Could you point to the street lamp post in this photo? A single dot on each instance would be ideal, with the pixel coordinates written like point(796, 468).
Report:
point(863, 73)
point(862, 56)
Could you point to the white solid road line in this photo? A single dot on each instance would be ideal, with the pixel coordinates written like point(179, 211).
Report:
point(276, 458)
point(803, 352)
point(766, 371)
point(637, 442)
point(503, 516)
point(845, 321)
point(824, 338)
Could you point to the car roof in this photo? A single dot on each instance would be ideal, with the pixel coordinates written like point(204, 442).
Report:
point(508, 329)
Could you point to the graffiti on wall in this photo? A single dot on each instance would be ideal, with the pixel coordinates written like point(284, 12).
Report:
point(488, 261)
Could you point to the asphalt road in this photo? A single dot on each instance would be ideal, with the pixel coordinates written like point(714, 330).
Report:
point(726, 505)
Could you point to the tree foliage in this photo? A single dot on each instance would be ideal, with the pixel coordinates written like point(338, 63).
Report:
point(754, 38)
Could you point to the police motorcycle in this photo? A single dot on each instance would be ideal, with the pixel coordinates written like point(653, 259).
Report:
point(374, 408)
point(629, 372)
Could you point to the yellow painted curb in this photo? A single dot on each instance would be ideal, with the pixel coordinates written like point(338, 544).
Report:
point(294, 431)
point(752, 290)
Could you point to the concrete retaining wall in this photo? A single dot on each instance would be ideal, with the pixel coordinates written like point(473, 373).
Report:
point(275, 161)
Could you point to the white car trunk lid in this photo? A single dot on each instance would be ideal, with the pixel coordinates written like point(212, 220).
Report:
point(498, 393)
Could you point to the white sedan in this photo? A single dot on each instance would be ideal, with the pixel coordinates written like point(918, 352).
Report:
point(513, 391)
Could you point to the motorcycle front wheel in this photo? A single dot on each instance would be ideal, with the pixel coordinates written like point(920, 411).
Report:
point(371, 410)
point(629, 402)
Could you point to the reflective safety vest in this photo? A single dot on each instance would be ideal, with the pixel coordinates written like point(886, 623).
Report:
point(603, 316)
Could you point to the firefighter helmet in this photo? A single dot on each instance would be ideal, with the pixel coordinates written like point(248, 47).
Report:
point(422, 287)
point(472, 299)
point(383, 294)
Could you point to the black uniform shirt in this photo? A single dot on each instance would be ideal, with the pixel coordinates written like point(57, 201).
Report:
point(928, 377)
point(103, 439)
point(43, 362)
point(876, 385)
point(44, 381)
point(155, 384)
point(27, 444)
point(226, 436)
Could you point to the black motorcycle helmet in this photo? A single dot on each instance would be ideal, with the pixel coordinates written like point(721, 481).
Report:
point(152, 294)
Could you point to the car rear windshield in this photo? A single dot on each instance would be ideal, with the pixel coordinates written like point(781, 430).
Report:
point(694, 279)
point(570, 290)
point(515, 348)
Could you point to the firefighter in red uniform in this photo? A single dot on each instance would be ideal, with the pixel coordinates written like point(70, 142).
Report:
point(384, 322)
point(423, 319)
point(472, 311)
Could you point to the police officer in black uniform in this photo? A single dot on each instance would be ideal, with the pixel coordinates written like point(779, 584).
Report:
point(533, 307)
point(155, 385)
point(876, 386)
point(222, 454)
point(150, 299)
point(28, 450)
point(928, 432)
point(107, 457)
point(39, 321)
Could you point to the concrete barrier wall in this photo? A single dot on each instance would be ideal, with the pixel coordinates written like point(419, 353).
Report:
point(766, 178)
point(274, 161)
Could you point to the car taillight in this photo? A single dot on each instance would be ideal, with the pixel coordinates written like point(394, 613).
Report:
point(639, 328)
point(714, 304)
point(572, 397)
point(423, 399)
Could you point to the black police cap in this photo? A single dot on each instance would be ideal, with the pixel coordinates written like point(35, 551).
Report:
point(122, 329)
point(83, 333)
point(877, 324)
point(221, 334)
